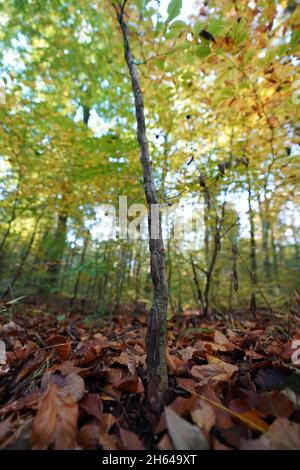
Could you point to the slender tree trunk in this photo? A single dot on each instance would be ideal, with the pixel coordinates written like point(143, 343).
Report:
point(57, 250)
point(23, 259)
point(120, 279)
point(170, 278)
point(274, 258)
point(199, 294)
point(210, 270)
point(101, 299)
point(264, 208)
point(206, 236)
point(253, 258)
point(296, 241)
point(208, 281)
point(157, 324)
point(78, 277)
point(11, 219)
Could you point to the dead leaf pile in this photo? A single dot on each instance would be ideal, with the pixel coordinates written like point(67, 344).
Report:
point(66, 385)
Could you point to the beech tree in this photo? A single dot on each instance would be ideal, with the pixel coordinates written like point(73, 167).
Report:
point(157, 324)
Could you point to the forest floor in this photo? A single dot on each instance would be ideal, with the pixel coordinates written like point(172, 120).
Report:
point(74, 383)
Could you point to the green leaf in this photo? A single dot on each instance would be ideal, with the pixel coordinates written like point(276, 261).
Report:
point(140, 4)
point(203, 51)
point(295, 38)
point(215, 26)
point(197, 28)
point(16, 300)
point(174, 9)
point(61, 317)
point(177, 27)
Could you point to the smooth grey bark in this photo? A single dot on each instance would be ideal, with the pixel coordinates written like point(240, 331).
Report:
point(157, 375)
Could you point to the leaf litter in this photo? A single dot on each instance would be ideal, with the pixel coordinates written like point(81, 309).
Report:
point(64, 385)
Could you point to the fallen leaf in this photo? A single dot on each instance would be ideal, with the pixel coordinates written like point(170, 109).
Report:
point(204, 416)
point(28, 401)
point(282, 435)
point(130, 384)
point(56, 420)
point(185, 436)
point(127, 359)
point(88, 436)
point(187, 353)
point(165, 443)
point(130, 441)
point(61, 345)
point(29, 365)
point(270, 378)
point(92, 404)
point(215, 372)
point(71, 384)
point(242, 408)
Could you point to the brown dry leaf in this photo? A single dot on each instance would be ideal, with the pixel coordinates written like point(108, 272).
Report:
point(56, 420)
point(181, 406)
point(184, 435)
point(88, 436)
point(127, 359)
point(171, 361)
point(113, 375)
point(255, 355)
point(92, 404)
point(29, 365)
point(187, 353)
point(108, 442)
point(70, 384)
point(5, 428)
point(130, 384)
point(129, 440)
point(21, 353)
point(204, 416)
point(187, 384)
point(108, 420)
point(165, 443)
point(61, 345)
point(272, 404)
point(217, 445)
point(234, 435)
point(20, 435)
point(215, 372)
point(223, 418)
point(241, 407)
point(28, 401)
point(88, 352)
point(223, 342)
point(283, 435)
